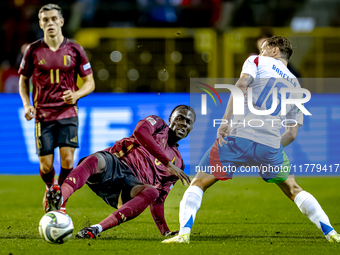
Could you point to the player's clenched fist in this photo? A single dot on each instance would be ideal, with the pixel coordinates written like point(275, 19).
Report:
point(70, 97)
point(29, 112)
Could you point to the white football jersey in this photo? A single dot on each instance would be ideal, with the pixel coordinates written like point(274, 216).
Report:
point(268, 73)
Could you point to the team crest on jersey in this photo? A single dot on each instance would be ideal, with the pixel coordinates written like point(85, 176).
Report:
point(151, 120)
point(67, 60)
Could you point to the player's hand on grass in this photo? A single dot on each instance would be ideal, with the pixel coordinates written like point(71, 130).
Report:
point(30, 112)
point(70, 97)
point(174, 170)
point(222, 132)
point(171, 233)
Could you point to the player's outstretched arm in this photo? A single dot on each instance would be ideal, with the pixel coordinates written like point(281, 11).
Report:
point(24, 94)
point(71, 97)
point(157, 212)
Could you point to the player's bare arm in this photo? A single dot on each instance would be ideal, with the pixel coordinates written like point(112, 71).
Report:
point(24, 93)
point(157, 212)
point(223, 130)
point(244, 81)
point(289, 136)
point(71, 97)
point(174, 170)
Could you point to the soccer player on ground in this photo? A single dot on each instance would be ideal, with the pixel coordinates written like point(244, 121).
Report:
point(54, 63)
point(239, 144)
point(135, 173)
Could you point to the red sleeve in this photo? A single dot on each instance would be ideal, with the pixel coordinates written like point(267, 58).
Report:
point(157, 212)
point(84, 64)
point(157, 208)
point(143, 133)
point(27, 65)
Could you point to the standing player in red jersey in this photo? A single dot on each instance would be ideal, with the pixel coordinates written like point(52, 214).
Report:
point(135, 173)
point(54, 63)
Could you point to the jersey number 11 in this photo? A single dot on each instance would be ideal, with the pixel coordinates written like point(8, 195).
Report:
point(56, 76)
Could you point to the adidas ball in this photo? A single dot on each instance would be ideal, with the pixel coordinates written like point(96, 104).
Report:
point(56, 227)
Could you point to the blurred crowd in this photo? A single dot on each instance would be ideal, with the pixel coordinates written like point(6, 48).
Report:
point(20, 22)
point(20, 25)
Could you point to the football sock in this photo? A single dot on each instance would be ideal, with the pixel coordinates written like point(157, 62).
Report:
point(189, 206)
point(66, 192)
point(78, 177)
point(48, 178)
point(132, 208)
point(63, 174)
point(310, 207)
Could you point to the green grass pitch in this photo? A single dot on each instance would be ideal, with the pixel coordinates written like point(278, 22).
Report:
point(241, 216)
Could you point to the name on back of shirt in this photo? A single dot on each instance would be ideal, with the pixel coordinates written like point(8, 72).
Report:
point(283, 75)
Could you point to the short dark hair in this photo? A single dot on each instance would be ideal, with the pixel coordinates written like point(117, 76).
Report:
point(50, 7)
point(283, 44)
point(185, 107)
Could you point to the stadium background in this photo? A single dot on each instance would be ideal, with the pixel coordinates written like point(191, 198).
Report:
point(144, 52)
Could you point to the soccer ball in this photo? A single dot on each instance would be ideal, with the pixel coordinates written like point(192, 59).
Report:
point(56, 227)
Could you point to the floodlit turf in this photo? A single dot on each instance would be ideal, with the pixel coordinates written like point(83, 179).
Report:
point(242, 216)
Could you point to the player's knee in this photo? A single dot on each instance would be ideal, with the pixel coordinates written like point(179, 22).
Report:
point(67, 162)
point(66, 157)
point(45, 167)
point(101, 161)
point(45, 170)
point(151, 192)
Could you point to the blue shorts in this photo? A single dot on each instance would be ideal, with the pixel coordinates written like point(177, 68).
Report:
point(243, 155)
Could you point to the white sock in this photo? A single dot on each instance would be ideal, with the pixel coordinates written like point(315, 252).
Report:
point(310, 207)
point(189, 206)
point(100, 228)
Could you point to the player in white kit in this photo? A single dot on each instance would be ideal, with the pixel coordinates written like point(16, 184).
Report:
point(252, 139)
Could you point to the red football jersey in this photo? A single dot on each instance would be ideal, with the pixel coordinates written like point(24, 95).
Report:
point(53, 73)
point(146, 167)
